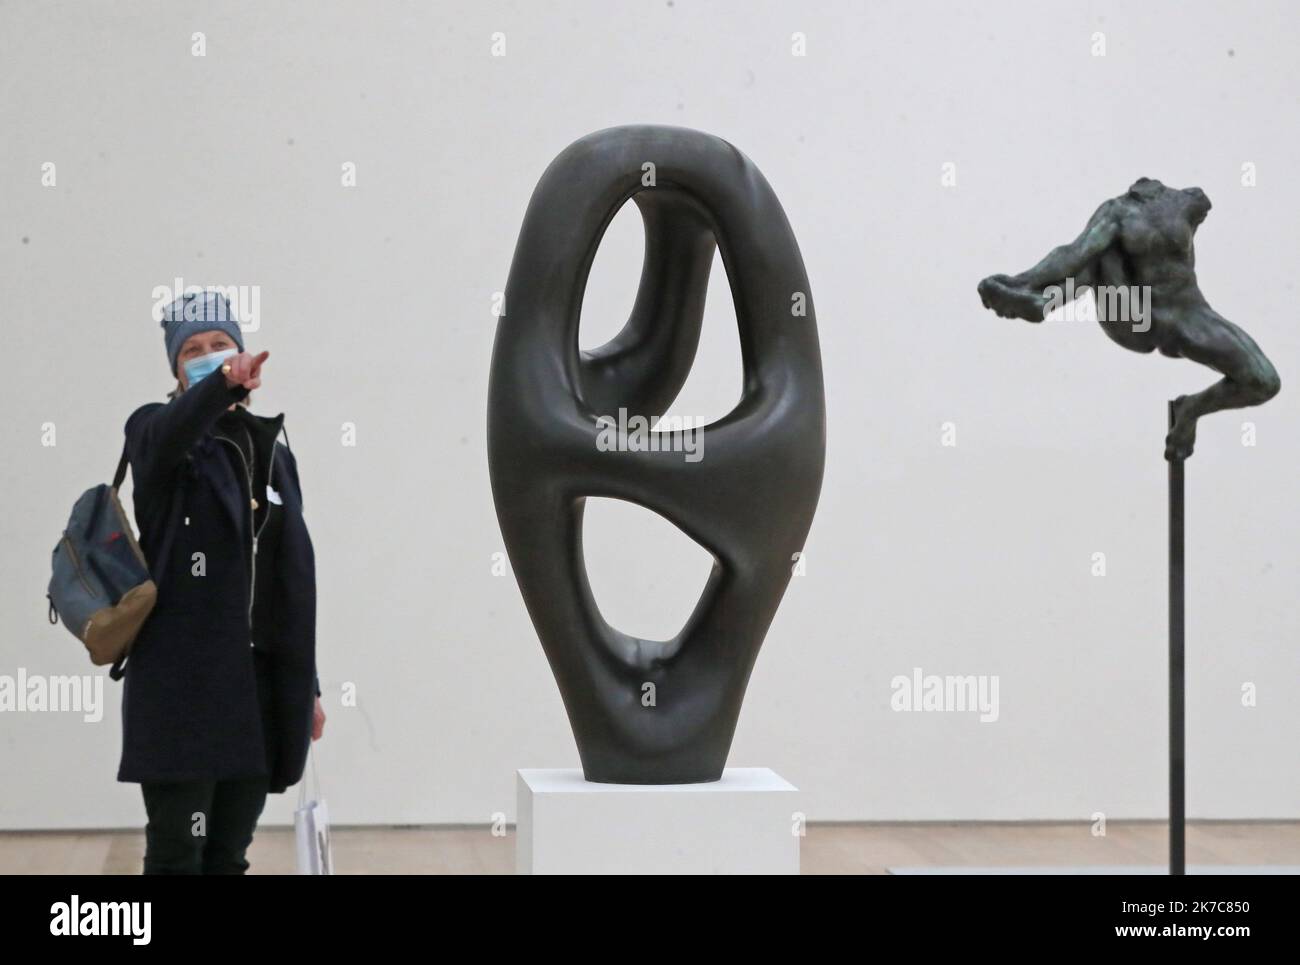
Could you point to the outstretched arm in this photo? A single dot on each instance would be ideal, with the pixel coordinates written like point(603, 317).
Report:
point(159, 436)
point(1069, 261)
point(1022, 296)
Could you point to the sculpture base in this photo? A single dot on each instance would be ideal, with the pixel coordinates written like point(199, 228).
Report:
point(742, 824)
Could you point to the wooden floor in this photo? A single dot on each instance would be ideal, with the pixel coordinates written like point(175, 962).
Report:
point(827, 849)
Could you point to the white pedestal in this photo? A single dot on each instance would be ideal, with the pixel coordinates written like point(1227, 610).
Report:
point(742, 824)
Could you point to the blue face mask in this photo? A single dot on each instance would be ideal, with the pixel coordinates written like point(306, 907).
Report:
point(200, 368)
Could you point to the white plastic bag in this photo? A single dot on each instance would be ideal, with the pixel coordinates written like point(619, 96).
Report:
point(311, 825)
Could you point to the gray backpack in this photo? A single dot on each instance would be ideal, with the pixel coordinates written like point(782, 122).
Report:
point(101, 585)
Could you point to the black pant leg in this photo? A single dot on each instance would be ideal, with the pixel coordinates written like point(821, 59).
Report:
point(236, 806)
point(179, 815)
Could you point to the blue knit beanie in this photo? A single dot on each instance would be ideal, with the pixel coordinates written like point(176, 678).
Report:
point(196, 312)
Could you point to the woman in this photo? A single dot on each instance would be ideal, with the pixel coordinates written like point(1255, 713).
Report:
point(220, 699)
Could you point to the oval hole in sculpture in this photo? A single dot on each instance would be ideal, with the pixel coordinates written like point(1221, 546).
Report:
point(713, 387)
point(645, 573)
point(611, 285)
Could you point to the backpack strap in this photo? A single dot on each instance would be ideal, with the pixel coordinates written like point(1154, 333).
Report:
point(116, 671)
point(120, 475)
point(119, 668)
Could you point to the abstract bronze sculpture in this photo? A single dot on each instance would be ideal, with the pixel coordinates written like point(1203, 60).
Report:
point(749, 501)
point(1139, 245)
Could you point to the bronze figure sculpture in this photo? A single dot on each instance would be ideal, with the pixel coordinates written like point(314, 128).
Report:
point(1139, 245)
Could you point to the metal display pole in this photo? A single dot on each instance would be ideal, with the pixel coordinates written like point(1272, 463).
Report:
point(1177, 743)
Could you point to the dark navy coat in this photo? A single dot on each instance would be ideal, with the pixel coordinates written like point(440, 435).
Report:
point(190, 700)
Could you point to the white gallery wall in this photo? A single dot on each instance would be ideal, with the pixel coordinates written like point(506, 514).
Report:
point(975, 467)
